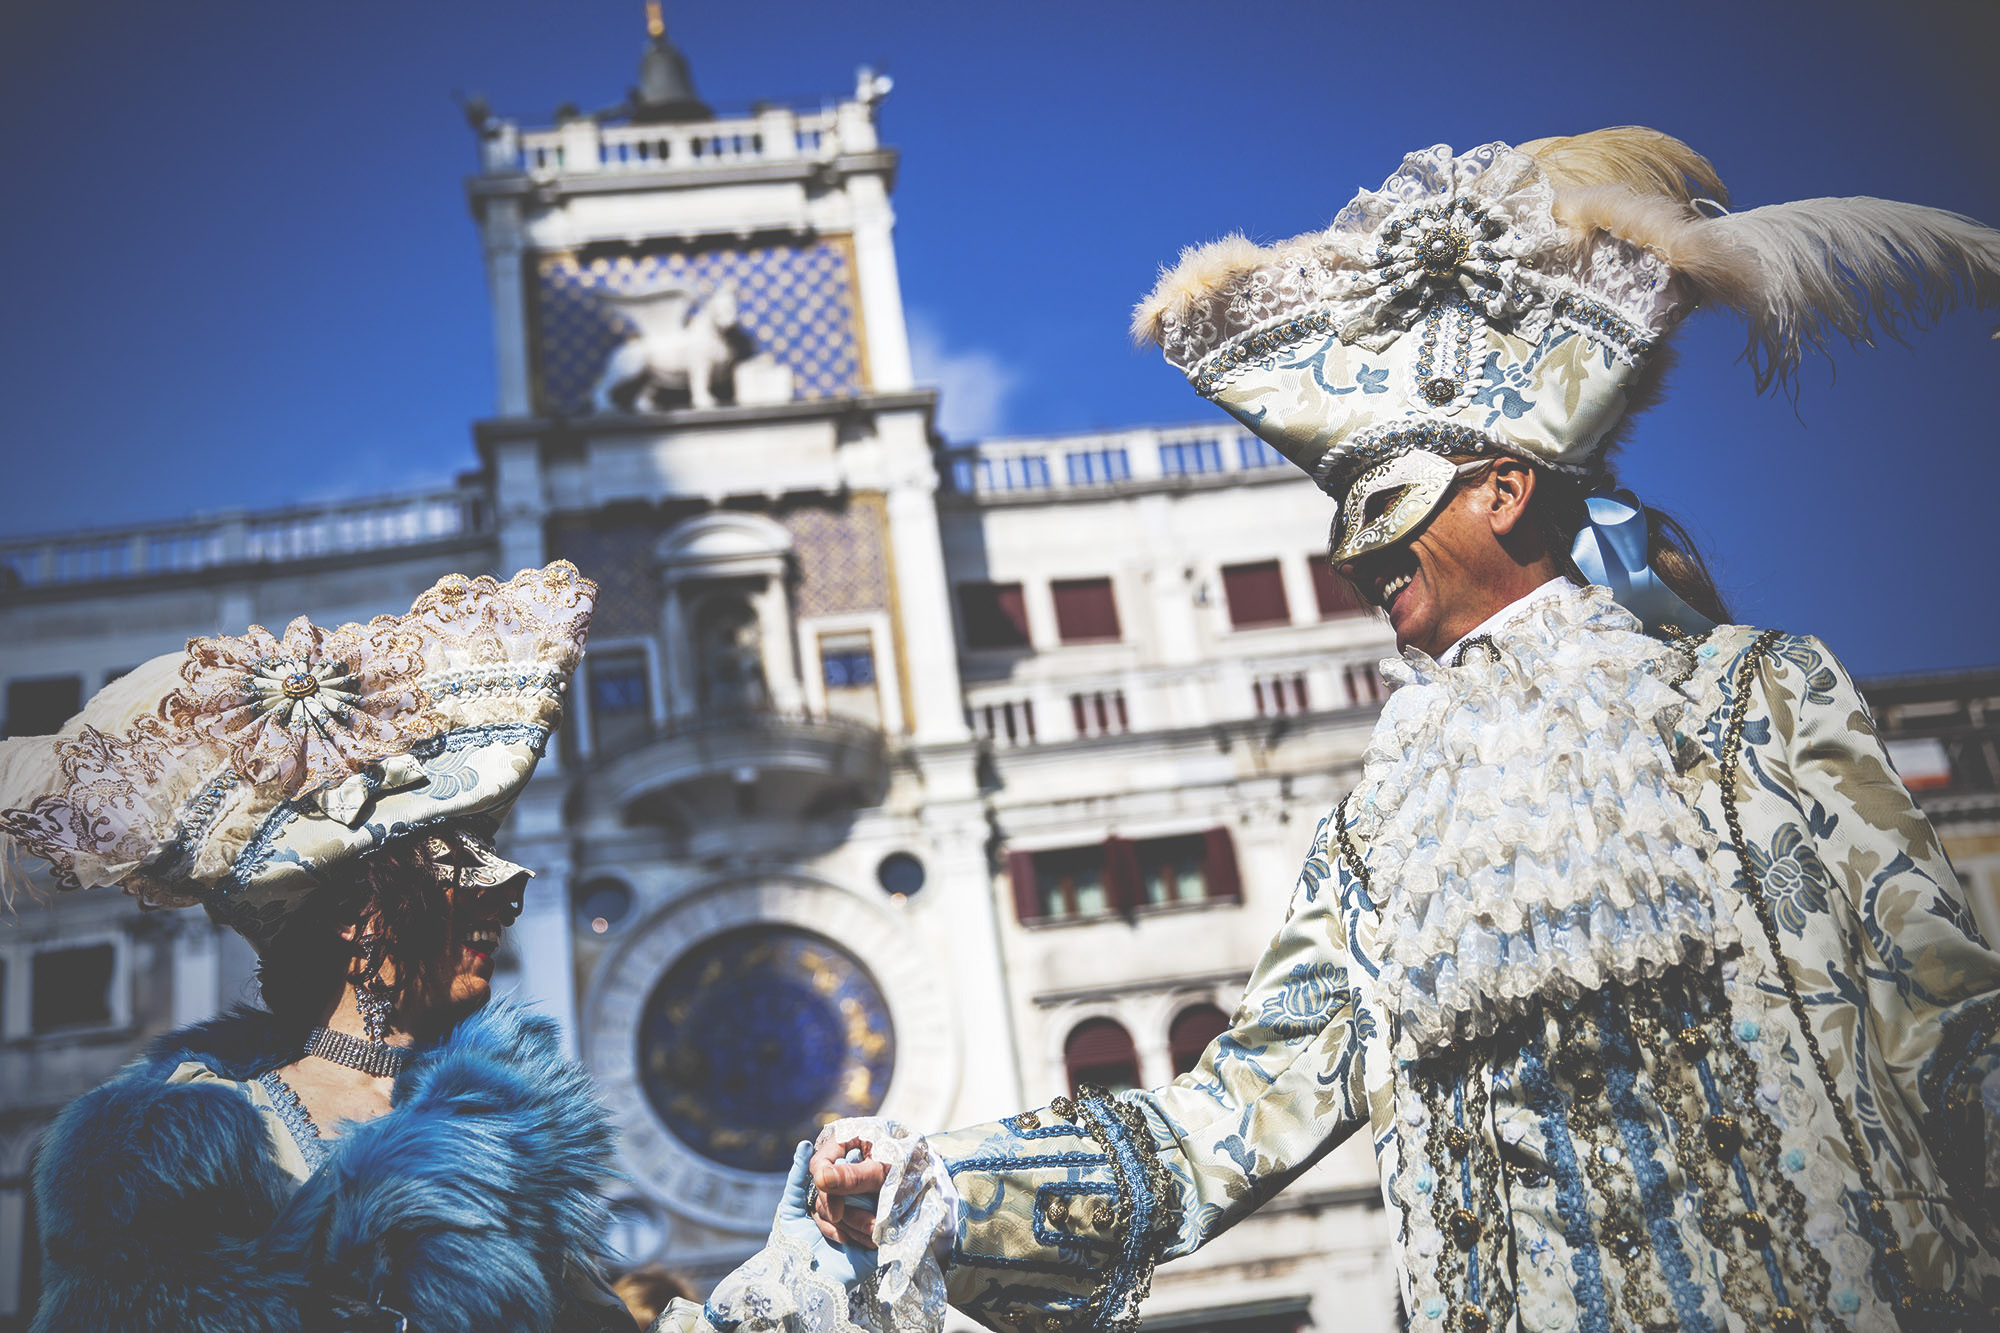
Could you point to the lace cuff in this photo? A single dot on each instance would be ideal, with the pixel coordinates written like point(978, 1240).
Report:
point(788, 1287)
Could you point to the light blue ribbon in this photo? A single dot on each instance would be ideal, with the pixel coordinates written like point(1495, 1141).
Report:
point(1611, 550)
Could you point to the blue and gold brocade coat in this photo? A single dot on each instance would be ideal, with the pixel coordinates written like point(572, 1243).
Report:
point(1794, 1140)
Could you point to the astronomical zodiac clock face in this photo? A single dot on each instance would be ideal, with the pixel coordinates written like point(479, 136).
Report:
point(753, 1041)
point(732, 1025)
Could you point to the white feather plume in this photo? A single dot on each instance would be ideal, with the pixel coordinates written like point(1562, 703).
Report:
point(1859, 268)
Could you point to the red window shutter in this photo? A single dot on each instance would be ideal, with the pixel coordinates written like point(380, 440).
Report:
point(1086, 610)
point(1219, 866)
point(1256, 594)
point(1013, 607)
point(1335, 594)
point(1027, 897)
point(993, 615)
point(1192, 1031)
point(1100, 1051)
point(1121, 875)
point(1099, 1041)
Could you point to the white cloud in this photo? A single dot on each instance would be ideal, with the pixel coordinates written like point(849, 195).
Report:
point(973, 385)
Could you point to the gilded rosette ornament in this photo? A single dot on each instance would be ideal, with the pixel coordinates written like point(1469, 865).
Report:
point(308, 710)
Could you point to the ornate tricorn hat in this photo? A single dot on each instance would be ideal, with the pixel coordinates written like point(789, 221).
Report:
point(1515, 301)
point(234, 773)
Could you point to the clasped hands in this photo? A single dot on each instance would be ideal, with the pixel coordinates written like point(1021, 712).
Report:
point(829, 1206)
point(846, 1181)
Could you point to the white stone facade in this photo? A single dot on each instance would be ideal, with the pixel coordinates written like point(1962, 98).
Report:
point(797, 687)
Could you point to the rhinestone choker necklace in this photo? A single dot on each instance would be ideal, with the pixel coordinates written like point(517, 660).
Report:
point(370, 1057)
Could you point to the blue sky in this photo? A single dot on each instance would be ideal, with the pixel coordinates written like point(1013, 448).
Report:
point(242, 272)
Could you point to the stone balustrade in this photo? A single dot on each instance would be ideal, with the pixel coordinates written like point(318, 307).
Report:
point(269, 537)
point(583, 146)
point(1078, 462)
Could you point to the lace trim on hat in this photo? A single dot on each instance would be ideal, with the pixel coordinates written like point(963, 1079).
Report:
point(1526, 814)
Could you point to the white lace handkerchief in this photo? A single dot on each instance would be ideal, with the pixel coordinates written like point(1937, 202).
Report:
point(782, 1289)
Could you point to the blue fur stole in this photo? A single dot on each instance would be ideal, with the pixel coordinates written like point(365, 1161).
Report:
point(463, 1208)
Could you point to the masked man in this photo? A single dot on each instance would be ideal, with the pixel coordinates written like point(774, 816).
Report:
point(1652, 987)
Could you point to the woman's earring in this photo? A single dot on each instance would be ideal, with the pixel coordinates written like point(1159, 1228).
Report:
point(371, 949)
point(373, 1002)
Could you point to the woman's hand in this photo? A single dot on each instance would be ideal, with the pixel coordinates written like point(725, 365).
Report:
point(840, 1170)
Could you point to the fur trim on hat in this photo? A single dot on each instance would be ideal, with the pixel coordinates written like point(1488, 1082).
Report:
point(1201, 271)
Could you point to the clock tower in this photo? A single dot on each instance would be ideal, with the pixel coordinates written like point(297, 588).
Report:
point(764, 828)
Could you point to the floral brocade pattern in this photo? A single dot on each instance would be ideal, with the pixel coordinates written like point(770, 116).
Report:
point(1794, 881)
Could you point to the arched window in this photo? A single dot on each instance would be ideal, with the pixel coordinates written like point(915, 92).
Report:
point(1100, 1051)
point(1193, 1029)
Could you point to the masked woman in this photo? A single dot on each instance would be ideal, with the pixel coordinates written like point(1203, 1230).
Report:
point(379, 1147)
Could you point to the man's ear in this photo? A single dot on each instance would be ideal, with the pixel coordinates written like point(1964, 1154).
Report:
point(1513, 488)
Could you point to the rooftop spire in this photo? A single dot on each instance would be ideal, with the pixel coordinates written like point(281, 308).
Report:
point(666, 88)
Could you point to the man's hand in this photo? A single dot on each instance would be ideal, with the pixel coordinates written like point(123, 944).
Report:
point(842, 1265)
point(847, 1183)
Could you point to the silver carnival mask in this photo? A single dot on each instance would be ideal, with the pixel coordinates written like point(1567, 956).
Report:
point(1404, 494)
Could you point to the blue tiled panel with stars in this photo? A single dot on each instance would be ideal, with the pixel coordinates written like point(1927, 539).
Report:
point(796, 301)
point(619, 557)
point(843, 565)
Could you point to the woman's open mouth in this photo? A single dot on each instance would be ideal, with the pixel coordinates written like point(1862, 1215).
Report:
point(482, 939)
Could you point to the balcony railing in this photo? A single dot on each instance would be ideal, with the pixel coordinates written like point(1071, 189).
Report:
point(271, 537)
point(716, 767)
point(584, 146)
point(1092, 462)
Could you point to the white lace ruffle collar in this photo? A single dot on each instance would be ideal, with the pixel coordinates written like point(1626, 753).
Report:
point(1527, 826)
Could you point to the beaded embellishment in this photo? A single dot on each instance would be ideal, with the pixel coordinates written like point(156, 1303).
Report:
point(298, 1121)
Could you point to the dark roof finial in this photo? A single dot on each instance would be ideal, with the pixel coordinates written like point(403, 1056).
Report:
point(666, 88)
